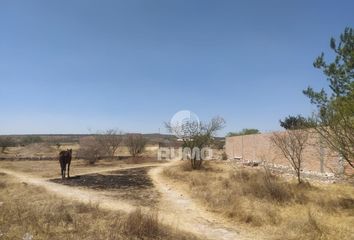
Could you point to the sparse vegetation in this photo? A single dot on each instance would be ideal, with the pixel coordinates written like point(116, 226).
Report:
point(73, 71)
point(109, 141)
point(104, 144)
point(197, 135)
point(142, 225)
point(31, 210)
point(257, 198)
point(136, 144)
point(90, 150)
point(292, 144)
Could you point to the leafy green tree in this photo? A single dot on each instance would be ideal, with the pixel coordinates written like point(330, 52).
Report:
point(245, 131)
point(335, 108)
point(296, 122)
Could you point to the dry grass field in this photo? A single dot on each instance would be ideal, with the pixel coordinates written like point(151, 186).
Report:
point(264, 203)
point(32, 212)
point(115, 194)
point(169, 201)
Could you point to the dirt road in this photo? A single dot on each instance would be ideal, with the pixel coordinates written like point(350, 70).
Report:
point(175, 208)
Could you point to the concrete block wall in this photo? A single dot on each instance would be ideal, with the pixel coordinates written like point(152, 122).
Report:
point(258, 147)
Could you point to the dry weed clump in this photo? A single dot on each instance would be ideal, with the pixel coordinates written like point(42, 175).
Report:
point(142, 224)
point(257, 198)
point(28, 211)
point(262, 185)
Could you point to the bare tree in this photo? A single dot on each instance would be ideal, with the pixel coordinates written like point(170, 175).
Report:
point(292, 143)
point(90, 150)
point(109, 141)
point(196, 135)
point(136, 144)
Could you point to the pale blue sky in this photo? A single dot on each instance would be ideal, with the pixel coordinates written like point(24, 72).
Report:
point(71, 66)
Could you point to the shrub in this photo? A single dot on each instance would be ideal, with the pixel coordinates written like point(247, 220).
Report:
point(292, 144)
point(136, 144)
point(224, 156)
point(109, 141)
point(89, 150)
point(262, 185)
point(142, 225)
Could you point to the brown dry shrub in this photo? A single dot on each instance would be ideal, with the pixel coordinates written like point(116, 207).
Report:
point(262, 185)
point(142, 225)
point(306, 226)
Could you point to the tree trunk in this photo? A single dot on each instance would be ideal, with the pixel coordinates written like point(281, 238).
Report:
point(299, 176)
point(196, 164)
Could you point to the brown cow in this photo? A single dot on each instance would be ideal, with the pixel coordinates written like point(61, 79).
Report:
point(65, 159)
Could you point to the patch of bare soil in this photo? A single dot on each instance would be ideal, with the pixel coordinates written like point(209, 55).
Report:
point(132, 184)
point(179, 208)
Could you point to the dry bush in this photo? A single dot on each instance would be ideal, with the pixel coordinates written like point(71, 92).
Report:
point(142, 225)
point(31, 210)
point(90, 149)
point(109, 141)
point(305, 226)
point(103, 145)
point(224, 156)
point(261, 185)
point(136, 144)
point(291, 144)
point(257, 198)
